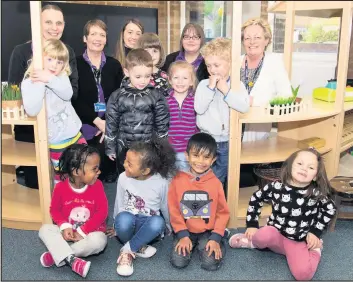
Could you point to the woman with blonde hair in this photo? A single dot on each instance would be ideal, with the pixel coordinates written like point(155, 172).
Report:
point(262, 73)
point(52, 82)
point(129, 35)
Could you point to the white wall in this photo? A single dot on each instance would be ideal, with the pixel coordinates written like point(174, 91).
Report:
point(312, 70)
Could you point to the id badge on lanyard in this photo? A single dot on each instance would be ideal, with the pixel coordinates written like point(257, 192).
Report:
point(100, 106)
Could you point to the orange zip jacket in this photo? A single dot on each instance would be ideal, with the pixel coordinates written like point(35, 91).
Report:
point(197, 204)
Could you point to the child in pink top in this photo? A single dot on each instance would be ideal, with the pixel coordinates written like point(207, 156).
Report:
point(181, 107)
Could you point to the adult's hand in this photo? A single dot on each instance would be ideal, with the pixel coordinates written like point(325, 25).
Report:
point(100, 123)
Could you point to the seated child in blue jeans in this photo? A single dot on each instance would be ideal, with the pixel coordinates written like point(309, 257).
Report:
point(141, 195)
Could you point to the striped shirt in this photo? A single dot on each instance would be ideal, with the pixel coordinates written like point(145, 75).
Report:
point(182, 121)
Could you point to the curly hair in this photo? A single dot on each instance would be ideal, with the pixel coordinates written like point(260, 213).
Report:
point(220, 47)
point(260, 22)
point(74, 158)
point(157, 155)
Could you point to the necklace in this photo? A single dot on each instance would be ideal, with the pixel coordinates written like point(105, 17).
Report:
point(249, 84)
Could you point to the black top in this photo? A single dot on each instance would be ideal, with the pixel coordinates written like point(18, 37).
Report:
point(201, 73)
point(87, 94)
point(293, 213)
point(19, 62)
point(134, 115)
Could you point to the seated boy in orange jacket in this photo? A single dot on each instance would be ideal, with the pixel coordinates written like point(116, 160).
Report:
point(197, 207)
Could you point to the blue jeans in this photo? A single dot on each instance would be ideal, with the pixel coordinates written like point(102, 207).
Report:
point(181, 162)
point(220, 166)
point(139, 230)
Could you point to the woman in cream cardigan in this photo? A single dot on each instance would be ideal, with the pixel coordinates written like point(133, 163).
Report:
point(263, 74)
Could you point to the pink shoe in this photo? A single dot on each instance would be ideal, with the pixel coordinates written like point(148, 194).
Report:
point(46, 259)
point(239, 240)
point(81, 267)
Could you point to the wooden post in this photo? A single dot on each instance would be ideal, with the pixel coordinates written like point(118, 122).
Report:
point(168, 27)
point(234, 125)
point(40, 129)
point(288, 39)
point(342, 69)
point(182, 16)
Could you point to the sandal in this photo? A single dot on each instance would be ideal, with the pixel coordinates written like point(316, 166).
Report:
point(239, 240)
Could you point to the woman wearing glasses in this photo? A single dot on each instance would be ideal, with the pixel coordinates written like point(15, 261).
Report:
point(263, 73)
point(191, 41)
point(99, 76)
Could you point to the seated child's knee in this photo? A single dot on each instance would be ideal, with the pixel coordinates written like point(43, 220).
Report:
point(209, 262)
point(45, 228)
point(303, 273)
point(179, 261)
point(98, 240)
point(157, 223)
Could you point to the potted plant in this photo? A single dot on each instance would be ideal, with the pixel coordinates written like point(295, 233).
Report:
point(11, 96)
point(283, 101)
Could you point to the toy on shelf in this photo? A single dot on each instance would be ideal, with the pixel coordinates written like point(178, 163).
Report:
point(314, 142)
point(289, 109)
point(11, 102)
point(328, 93)
point(284, 106)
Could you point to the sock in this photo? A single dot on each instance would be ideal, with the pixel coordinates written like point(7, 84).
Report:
point(317, 250)
point(126, 248)
point(70, 259)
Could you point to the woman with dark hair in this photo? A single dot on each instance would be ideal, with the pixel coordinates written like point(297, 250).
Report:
point(52, 28)
point(99, 76)
point(129, 35)
point(191, 41)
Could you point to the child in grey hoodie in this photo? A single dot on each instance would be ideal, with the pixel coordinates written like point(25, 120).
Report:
point(52, 82)
point(213, 98)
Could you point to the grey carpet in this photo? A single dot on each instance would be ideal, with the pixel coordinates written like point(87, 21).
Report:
point(21, 251)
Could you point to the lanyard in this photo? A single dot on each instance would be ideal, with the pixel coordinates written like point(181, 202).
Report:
point(250, 84)
point(97, 77)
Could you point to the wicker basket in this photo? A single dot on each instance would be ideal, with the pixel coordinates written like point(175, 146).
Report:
point(267, 173)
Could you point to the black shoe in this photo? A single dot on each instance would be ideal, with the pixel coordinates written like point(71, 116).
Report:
point(111, 177)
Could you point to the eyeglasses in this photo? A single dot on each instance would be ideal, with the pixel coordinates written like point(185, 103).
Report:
point(254, 39)
point(187, 37)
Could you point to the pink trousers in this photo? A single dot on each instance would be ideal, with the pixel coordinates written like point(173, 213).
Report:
point(302, 262)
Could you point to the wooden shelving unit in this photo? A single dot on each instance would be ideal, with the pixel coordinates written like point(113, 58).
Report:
point(331, 121)
point(23, 207)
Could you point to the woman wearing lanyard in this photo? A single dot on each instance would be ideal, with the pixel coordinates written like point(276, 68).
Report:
point(99, 76)
point(262, 73)
point(191, 41)
point(264, 77)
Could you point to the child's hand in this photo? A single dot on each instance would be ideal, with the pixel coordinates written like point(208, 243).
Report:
point(250, 232)
point(112, 157)
point(312, 241)
point(223, 86)
point(110, 232)
point(77, 237)
point(41, 75)
point(184, 245)
point(212, 82)
point(68, 234)
point(213, 246)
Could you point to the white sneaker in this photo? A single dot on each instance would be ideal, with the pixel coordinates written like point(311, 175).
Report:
point(125, 265)
point(146, 252)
